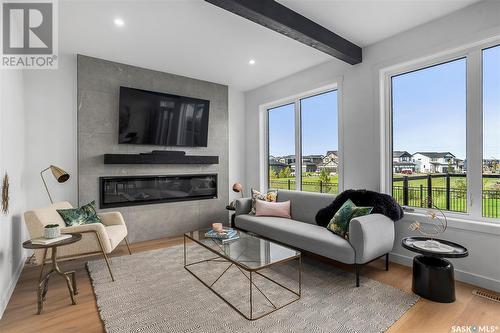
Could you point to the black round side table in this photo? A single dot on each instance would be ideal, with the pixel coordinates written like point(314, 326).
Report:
point(433, 276)
point(43, 281)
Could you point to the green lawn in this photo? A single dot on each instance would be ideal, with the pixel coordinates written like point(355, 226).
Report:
point(310, 183)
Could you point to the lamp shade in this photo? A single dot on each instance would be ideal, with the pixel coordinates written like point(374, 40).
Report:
point(59, 174)
point(237, 187)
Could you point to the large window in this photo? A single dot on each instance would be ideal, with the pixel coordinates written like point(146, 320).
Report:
point(443, 144)
point(491, 132)
point(281, 141)
point(303, 144)
point(429, 136)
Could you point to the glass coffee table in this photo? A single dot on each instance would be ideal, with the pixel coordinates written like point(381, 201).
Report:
point(249, 255)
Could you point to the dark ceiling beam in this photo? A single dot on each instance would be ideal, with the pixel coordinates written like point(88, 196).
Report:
point(279, 18)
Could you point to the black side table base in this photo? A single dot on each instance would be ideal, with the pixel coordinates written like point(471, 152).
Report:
point(433, 279)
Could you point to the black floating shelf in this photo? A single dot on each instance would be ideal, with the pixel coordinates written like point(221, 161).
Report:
point(159, 157)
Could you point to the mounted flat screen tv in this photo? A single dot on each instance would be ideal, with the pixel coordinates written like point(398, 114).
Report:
point(153, 118)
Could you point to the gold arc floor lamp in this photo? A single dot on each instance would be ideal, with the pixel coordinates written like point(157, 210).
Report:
point(238, 189)
point(59, 174)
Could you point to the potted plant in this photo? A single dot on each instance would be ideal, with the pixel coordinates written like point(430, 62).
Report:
point(51, 231)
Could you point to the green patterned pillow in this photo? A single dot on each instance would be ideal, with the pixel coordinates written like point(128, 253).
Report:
point(339, 224)
point(79, 216)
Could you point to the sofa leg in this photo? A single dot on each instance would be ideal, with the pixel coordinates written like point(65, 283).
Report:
point(356, 268)
point(128, 246)
point(387, 261)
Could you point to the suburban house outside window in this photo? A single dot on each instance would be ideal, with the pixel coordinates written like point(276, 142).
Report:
point(440, 123)
point(303, 143)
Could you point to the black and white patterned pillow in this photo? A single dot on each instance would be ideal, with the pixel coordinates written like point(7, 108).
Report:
point(270, 196)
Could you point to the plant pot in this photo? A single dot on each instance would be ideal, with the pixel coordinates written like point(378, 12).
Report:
point(52, 232)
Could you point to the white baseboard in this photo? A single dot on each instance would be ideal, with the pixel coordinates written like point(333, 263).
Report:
point(7, 293)
point(463, 276)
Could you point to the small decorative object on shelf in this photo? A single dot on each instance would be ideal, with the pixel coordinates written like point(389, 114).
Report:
point(438, 224)
point(5, 194)
point(51, 231)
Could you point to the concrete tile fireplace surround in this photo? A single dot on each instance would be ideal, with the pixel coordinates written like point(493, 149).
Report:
point(99, 82)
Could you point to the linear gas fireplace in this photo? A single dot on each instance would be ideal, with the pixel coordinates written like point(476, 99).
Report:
point(143, 190)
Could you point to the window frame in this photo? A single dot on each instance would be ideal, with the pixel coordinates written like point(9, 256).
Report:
point(295, 100)
point(474, 122)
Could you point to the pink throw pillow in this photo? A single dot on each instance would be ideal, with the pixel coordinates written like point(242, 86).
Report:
point(278, 209)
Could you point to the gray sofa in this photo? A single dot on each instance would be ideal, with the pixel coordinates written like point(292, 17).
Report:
point(370, 236)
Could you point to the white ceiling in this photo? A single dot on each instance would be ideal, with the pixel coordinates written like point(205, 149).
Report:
point(196, 39)
point(365, 22)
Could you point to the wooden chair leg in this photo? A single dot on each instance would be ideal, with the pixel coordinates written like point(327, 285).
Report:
point(105, 256)
point(128, 245)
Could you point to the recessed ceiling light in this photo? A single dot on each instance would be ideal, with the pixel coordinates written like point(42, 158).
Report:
point(251, 62)
point(119, 22)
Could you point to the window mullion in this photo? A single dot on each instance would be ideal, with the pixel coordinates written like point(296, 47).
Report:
point(474, 133)
point(298, 146)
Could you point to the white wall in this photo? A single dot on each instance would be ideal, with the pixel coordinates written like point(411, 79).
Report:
point(237, 135)
point(12, 161)
point(362, 116)
point(51, 131)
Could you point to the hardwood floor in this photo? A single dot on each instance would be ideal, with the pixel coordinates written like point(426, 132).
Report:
point(60, 316)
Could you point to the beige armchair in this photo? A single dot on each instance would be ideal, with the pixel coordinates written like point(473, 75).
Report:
point(96, 239)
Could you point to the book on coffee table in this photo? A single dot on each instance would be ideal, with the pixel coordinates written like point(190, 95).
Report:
point(47, 241)
point(226, 233)
point(228, 240)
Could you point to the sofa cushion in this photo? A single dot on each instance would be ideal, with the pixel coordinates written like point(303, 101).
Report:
point(339, 224)
point(382, 204)
point(276, 209)
point(305, 205)
point(305, 236)
point(270, 196)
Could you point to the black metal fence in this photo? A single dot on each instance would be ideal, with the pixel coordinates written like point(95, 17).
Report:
point(447, 197)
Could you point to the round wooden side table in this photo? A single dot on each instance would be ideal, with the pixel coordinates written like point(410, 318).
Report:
point(433, 276)
point(43, 280)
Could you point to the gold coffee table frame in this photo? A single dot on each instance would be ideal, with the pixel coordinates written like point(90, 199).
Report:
point(220, 257)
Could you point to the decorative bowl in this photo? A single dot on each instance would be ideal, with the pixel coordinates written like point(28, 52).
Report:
point(51, 231)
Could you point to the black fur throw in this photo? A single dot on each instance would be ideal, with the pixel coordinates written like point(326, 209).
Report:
point(382, 204)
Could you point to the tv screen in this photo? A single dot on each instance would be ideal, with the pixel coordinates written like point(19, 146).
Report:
point(153, 118)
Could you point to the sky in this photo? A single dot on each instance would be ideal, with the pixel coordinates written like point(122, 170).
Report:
point(429, 113)
point(319, 126)
point(491, 100)
point(429, 109)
